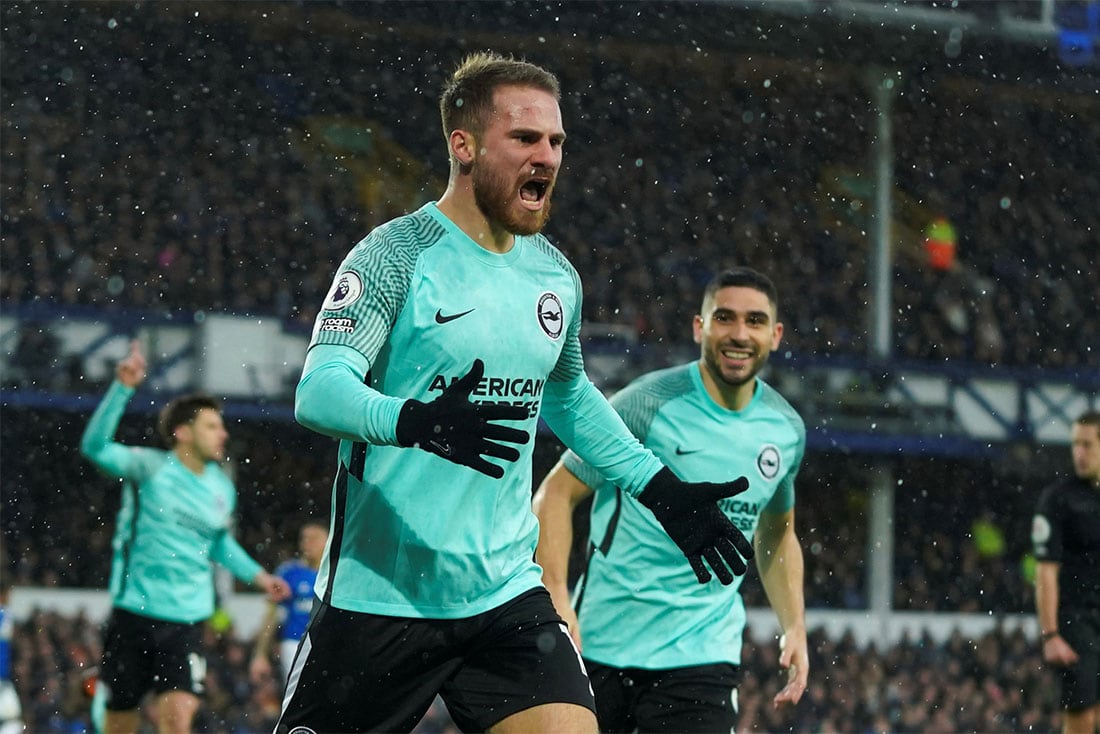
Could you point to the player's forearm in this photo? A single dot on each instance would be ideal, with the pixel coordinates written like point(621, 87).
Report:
point(96, 443)
point(1046, 595)
point(779, 559)
point(229, 554)
point(581, 417)
point(333, 400)
point(555, 514)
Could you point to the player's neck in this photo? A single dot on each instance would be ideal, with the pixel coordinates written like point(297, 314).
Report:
point(458, 205)
point(730, 397)
point(189, 459)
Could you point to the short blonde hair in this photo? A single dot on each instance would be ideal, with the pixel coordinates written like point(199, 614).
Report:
point(467, 99)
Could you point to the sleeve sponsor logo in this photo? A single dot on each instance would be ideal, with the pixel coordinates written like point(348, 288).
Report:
point(551, 315)
point(346, 290)
point(340, 324)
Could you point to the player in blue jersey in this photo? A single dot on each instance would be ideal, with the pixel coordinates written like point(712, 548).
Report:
point(290, 616)
point(662, 651)
point(11, 711)
point(174, 521)
point(1065, 532)
point(452, 330)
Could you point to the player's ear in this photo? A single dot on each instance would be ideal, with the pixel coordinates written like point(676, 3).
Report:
point(183, 434)
point(777, 335)
point(463, 146)
point(697, 329)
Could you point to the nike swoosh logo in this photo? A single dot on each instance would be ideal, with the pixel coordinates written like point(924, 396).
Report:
point(441, 319)
point(443, 448)
point(684, 452)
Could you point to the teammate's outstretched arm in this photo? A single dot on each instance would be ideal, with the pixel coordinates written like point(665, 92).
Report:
point(555, 501)
point(779, 558)
point(583, 420)
point(96, 443)
point(690, 515)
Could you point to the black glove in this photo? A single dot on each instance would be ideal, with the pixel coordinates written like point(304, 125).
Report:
point(461, 431)
point(689, 514)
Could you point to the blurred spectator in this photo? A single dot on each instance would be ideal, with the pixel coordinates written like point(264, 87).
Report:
point(940, 243)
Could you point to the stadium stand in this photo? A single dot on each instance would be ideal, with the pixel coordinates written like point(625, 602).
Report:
point(144, 151)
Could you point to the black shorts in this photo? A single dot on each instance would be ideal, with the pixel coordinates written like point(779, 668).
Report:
point(700, 698)
point(359, 672)
point(1081, 681)
point(142, 654)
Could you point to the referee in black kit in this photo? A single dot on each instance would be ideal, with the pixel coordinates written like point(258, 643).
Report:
point(1066, 534)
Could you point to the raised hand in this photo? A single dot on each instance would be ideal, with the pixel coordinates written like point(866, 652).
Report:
point(131, 370)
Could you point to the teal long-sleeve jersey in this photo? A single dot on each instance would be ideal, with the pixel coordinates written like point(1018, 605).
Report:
point(172, 523)
point(410, 309)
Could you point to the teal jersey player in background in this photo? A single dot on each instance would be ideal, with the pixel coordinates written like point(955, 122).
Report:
point(174, 521)
point(451, 330)
point(662, 650)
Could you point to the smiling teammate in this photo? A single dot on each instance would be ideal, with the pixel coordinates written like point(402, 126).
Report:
point(446, 334)
point(663, 651)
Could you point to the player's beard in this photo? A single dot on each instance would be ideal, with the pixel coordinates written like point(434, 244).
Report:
point(496, 198)
point(713, 362)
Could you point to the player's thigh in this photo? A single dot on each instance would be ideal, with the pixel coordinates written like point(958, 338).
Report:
point(121, 722)
point(700, 698)
point(175, 711)
point(566, 718)
point(520, 657)
point(616, 696)
point(358, 672)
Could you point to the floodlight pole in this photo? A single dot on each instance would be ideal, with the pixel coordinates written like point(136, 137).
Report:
point(881, 312)
point(880, 315)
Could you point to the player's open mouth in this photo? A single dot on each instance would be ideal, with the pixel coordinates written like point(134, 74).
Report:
point(533, 192)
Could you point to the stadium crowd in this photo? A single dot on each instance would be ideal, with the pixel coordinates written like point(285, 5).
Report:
point(159, 162)
point(995, 683)
point(156, 162)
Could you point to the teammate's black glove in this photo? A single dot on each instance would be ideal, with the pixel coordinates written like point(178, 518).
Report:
point(461, 431)
point(689, 514)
